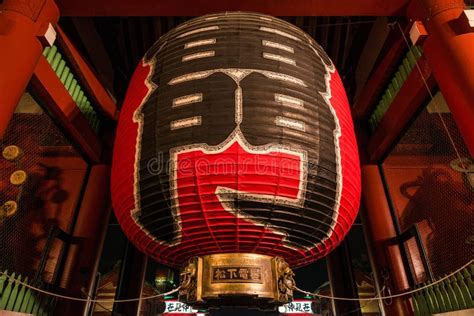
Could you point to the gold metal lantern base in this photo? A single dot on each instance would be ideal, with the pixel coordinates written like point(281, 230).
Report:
point(236, 279)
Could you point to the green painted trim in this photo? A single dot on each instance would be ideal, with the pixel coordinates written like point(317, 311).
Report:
point(6, 293)
point(67, 78)
point(18, 298)
point(393, 87)
point(453, 294)
point(464, 290)
point(21, 297)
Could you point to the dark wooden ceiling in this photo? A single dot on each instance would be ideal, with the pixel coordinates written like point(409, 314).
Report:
point(201, 7)
point(114, 45)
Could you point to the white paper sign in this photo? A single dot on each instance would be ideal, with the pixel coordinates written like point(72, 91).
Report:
point(296, 307)
point(177, 307)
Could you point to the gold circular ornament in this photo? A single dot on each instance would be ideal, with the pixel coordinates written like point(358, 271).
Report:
point(18, 177)
point(465, 165)
point(11, 152)
point(10, 208)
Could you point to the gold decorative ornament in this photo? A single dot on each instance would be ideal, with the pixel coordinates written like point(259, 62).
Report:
point(11, 152)
point(18, 177)
point(230, 279)
point(10, 208)
point(464, 165)
point(286, 282)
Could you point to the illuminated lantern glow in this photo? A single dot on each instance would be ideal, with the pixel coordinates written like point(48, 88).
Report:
point(235, 136)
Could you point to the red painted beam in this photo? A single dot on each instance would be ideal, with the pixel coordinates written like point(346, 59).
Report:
point(52, 93)
point(20, 24)
point(378, 223)
point(88, 79)
point(448, 49)
point(91, 227)
point(403, 108)
point(197, 8)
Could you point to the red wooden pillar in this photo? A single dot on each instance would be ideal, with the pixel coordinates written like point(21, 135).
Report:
point(378, 220)
point(449, 50)
point(22, 22)
point(91, 227)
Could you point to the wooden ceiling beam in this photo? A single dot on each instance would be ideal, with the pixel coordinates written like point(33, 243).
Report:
point(272, 7)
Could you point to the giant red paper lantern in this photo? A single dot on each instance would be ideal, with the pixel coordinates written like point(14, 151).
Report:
point(235, 137)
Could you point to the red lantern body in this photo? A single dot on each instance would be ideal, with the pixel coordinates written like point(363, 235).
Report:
point(236, 136)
